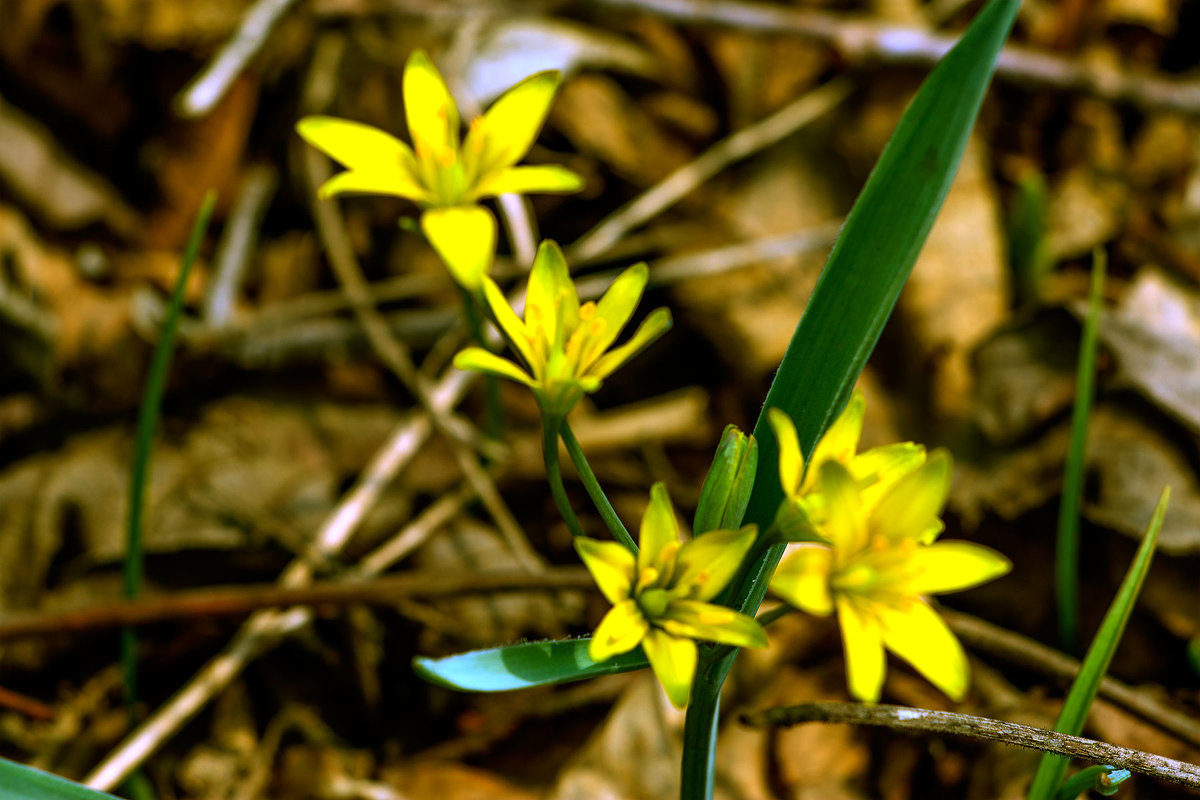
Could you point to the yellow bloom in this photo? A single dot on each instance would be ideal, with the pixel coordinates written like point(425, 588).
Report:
point(561, 341)
point(445, 178)
point(660, 596)
point(878, 571)
point(873, 470)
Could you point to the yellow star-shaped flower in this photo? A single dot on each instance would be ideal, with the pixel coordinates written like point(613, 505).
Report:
point(660, 596)
point(878, 571)
point(443, 177)
point(565, 344)
point(874, 470)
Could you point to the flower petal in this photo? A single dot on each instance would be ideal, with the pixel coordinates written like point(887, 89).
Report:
point(713, 623)
point(706, 564)
point(862, 639)
point(611, 564)
point(841, 439)
point(913, 503)
point(658, 538)
point(880, 467)
point(918, 635)
point(551, 301)
point(614, 310)
point(476, 359)
point(512, 326)
point(791, 459)
point(953, 566)
point(845, 522)
point(530, 179)
point(654, 326)
point(802, 578)
point(619, 632)
point(508, 129)
point(465, 238)
point(374, 182)
point(358, 146)
point(673, 660)
point(430, 110)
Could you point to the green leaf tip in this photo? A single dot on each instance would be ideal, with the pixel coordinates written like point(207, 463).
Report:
point(520, 666)
point(19, 782)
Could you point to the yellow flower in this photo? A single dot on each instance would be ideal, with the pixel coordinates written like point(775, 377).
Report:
point(561, 341)
point(445, 178)
point(873, 470)
point(878, 571)
point(660, 596)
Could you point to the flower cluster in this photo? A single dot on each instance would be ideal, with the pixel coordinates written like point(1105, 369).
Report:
point(444, 177)
point(564, 343)
point(661, 596)
point(878, 513)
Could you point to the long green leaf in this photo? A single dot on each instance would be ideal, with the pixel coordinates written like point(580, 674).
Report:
point(1083, 691)
point(1066, 553)
point(520, 666)
point(19, 782)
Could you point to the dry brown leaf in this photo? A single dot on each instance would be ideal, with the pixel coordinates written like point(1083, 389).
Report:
point(423, 779)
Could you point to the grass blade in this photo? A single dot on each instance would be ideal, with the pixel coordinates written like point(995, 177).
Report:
point(520, 666)
point(1066, 554)
point(20, 782)
point(156, 382)
point(1053, 768)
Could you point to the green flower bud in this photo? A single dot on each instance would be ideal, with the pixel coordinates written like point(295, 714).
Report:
point(726, 490)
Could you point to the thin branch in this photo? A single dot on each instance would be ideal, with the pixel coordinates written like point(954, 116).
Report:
point(679, 183)
point(860, 41)
point(992, 639)
point(204, 91)
point(238, 240)
point(926, 721)
point(242, 600)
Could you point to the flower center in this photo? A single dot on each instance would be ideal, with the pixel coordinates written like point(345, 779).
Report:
point(653, 602)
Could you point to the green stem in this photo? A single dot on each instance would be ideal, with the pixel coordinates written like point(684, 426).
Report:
point(550, 431)
point(1066, 570)
point(594, 490)
point(700, 730)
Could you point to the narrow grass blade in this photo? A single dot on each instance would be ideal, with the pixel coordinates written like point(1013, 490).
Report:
point(156, 383)
point(1052, 768)
point(520, 666)
point(19, 782)
point(1066, 554)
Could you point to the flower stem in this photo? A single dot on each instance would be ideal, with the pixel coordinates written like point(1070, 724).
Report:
point(594, 490)
point(550, 431)
point(700, 730)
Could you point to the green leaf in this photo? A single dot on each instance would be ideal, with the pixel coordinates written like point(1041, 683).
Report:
point(1066, 553)
point(1102, 778)
point(1083, 691)
point(520, 666)
point(20, 782)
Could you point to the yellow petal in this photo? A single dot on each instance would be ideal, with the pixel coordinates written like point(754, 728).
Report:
point(862, 639)
point(845, 523)
point(611, 564)
point(551, 301)
point(614, 310)
point(465, 238)
point(802, 578)
point(841, 440)
point(791, 460)
point(430, 110)
point(953, 566)
point(713, 623)
point(535, 179)
point(619, 632)
point(508, 129)
point(917, 634)
point(374, 182)
point(659, 534)
point(358, 146)
point(878, 468)
point(674, 663)
point(706, 564)
point(913, 503)
point(510, 324)
point(654, 326)
point(476, 359)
